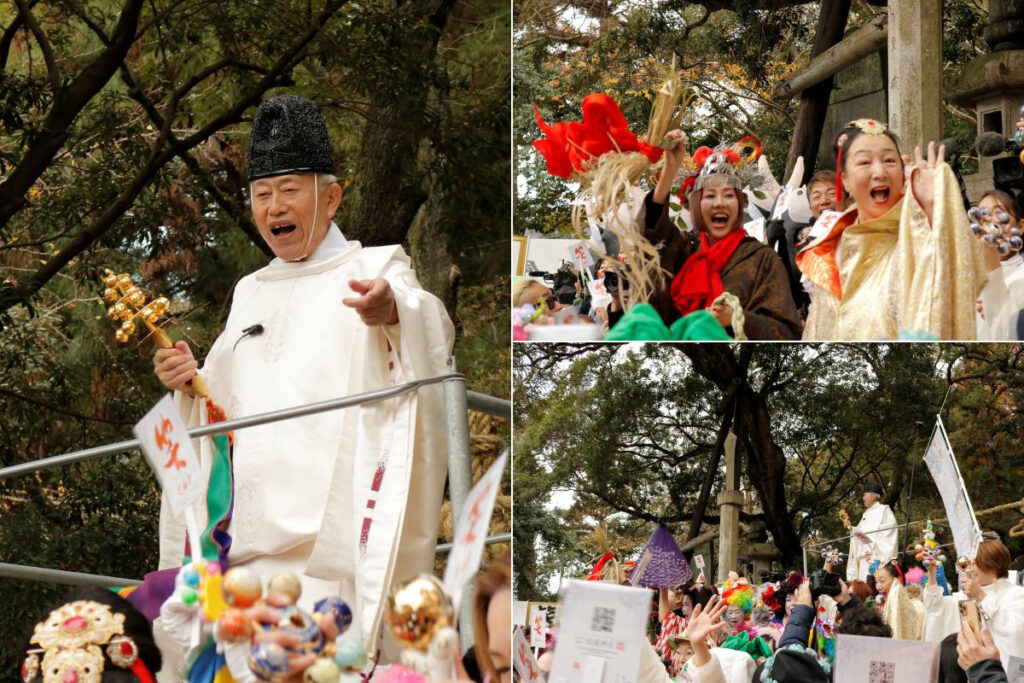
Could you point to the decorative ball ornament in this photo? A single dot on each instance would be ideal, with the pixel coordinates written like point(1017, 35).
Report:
point(349, 655)
point(189, 596)
point(963, 564)
point(996, 228)
point(189, 576)
point(335, 609)
point(269, 662)
point(242, 587)
point(286, 584)
point(416, 610)
point(233, 626)
point(296, 622)
point(322, 671)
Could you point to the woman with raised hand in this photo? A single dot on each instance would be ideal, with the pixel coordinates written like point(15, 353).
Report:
point(718, 256)
point(901, 261)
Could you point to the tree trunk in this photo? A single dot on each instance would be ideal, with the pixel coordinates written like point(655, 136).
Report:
point(388, 188)
point(814, 101)
point(766, 462)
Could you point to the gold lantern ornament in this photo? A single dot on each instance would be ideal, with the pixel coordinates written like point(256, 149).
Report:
point(417, 610)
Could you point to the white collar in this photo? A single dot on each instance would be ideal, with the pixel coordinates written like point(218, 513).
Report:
point(330, 246)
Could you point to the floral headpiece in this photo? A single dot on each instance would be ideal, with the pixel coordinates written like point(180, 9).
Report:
point(770, 596)
point(723, 167)
point(866, 126)
point(738, 592)
point(70, 641)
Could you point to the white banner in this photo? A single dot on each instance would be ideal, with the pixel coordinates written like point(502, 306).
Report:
point(164, 439)
point(942, 465)
point(522, 659)
point(471, 531)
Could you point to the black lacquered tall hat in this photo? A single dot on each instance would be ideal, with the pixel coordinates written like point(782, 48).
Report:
point(874, 487)
point(288, 136)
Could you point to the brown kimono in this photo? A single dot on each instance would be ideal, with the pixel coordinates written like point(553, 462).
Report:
point(754, 273)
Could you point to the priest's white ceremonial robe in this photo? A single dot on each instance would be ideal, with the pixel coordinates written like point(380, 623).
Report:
point(882, 546)
point(349, 500)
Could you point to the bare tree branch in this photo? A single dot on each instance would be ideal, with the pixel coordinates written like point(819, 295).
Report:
point(161, 154)
point(52, 71)
point(67, 103)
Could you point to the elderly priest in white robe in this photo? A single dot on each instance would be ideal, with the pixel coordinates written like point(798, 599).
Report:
point(867, 543)
point(348, 500)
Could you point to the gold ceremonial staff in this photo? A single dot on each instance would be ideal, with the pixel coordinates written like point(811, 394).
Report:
point(129, 303)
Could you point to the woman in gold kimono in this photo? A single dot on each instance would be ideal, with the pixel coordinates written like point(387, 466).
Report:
point(901, 261)
point(903, 614)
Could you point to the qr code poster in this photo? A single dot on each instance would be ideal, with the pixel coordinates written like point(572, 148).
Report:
point(601, 634)
point(882, 672)
point(863, 659)
point(1015, 670)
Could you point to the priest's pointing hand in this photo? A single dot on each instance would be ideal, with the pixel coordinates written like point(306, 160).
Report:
point(176, 367)
point(375, 303)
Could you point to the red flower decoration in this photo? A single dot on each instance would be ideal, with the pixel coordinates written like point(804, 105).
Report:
point(573, 146)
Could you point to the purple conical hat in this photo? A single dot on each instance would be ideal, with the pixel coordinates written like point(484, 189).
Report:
point(661, 564)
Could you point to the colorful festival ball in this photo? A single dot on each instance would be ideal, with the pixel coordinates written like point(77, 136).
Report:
point(349, 655)
point(975, 228)
point(416, 610)
point(322, 671)
point(233, 626)
point(300, 624)
point(269, 662)
point(1003, 248)
point(335, 608)
point(975, 213)
point(286, 584)
point(189, 596)
point(242, 587)
point(1002, 217)
point(189, 575)
point(1016, 243)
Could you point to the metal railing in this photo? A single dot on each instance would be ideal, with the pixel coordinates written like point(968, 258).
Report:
point(905, 525)
point(457, 400)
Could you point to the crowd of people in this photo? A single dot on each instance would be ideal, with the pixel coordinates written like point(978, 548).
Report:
point(786, 627)
point(887, 251)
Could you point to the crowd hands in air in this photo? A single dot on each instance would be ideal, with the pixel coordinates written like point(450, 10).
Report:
point(886, 250)
point(786, 628)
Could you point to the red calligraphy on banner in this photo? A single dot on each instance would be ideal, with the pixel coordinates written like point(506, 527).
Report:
point(164, 443)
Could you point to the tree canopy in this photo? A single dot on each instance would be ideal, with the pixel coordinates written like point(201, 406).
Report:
point(123, 135)
point(627, 436)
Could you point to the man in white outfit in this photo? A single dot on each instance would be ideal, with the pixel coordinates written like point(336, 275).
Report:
point(347, 500)
point(875, 536)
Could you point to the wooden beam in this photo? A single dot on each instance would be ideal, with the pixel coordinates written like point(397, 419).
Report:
point(870, 37)
point(810, 119)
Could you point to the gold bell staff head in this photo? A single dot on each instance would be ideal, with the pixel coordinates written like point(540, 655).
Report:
point(130, 305)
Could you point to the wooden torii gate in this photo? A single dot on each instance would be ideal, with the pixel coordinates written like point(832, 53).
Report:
point(912, 29)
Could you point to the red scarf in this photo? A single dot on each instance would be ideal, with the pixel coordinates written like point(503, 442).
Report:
point(698, 282)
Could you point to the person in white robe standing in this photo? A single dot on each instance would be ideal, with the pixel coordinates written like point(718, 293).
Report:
point(349, 500)
point(875, 536)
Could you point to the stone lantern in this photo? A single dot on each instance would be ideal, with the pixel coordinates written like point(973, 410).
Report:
point(993, 84)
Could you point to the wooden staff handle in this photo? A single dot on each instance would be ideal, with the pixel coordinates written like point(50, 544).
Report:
point(162, 340)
